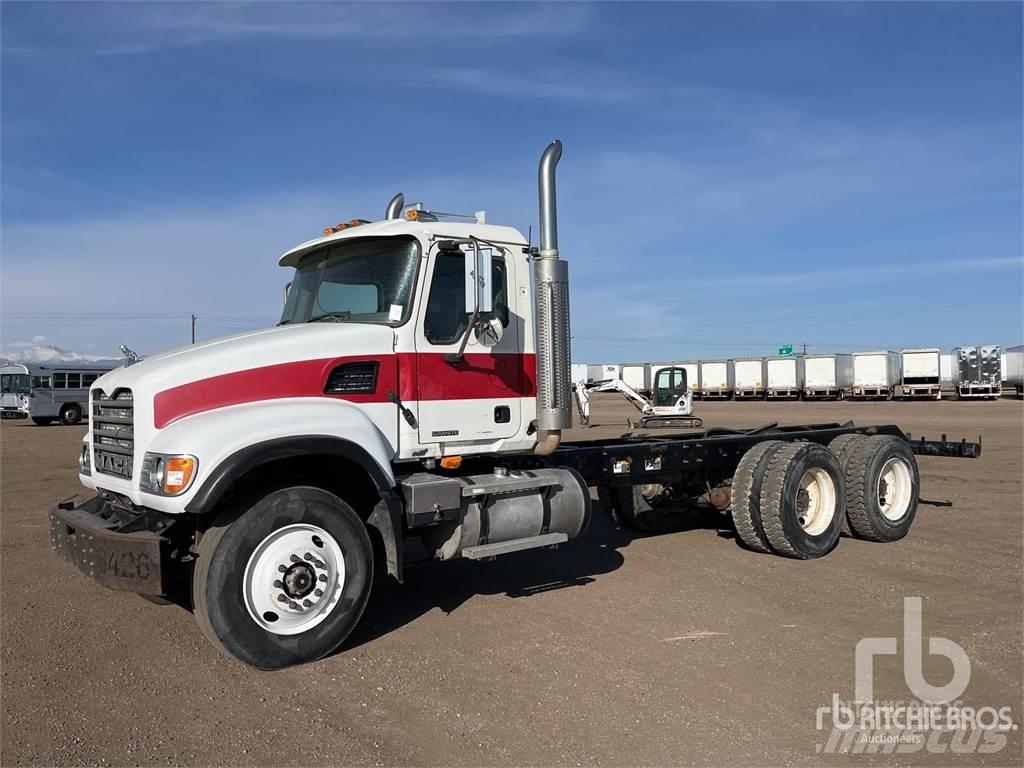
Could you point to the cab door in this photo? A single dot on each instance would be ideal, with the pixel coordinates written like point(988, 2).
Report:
point(669, 386)
point(477, 397)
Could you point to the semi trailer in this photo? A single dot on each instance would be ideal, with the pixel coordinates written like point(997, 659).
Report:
point(593, 372)
point(785, 377)
point(977, 372)
point(751, 376)
point(828, 377)
point(921, 374)
point(717, 378)
point(1014, 376)
point(417, 390)
point(875, 375)
point(637, 376)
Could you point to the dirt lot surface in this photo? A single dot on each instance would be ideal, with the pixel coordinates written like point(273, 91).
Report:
point(616, 649)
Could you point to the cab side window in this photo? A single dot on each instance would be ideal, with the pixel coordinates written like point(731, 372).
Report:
point(446, 315)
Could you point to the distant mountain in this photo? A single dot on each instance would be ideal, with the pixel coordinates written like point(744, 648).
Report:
point(51, 353)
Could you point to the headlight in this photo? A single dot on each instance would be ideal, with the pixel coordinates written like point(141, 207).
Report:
point(167, 474)
point(84, 462)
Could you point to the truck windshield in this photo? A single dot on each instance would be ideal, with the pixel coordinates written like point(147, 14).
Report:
point(16, 383)
point(358, 281)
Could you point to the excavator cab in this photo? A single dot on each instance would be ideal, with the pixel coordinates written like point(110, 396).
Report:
point(669, 386)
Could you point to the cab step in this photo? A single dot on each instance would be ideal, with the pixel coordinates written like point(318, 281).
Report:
point(484, 551)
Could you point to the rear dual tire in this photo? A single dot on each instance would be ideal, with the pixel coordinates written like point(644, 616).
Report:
point(883, 484)
point(794, 499)
point(802, 501)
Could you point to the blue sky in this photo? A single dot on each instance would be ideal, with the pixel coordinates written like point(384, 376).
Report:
point(735, 177)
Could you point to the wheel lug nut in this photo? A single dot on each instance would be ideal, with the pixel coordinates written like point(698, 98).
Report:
point(307, 603)
point(293, 605)
point(282, 568)
point(307, 556)
point(282, 598)
point(318, 592)
point(319, 564)
point(295, 559)
point(323, 578)
point(278, 584)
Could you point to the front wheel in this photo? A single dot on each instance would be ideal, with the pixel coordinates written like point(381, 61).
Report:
point(285, 581)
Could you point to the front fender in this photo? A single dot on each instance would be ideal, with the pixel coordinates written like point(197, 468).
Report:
point(229, 441)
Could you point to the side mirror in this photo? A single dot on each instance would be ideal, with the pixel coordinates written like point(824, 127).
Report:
point(478, 281)
point(489, 332)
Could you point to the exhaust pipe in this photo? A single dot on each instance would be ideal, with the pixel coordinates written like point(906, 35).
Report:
point(394, 209)
point(554, 396)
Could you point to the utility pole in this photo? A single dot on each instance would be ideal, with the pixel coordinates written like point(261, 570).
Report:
point(804, 345)
point(193, 328)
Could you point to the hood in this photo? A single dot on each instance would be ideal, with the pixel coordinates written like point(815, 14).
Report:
point(244, 351)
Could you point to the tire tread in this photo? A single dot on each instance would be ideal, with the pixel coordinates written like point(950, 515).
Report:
point(746, 496)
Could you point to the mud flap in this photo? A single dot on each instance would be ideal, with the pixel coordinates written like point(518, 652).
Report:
point(386, 517)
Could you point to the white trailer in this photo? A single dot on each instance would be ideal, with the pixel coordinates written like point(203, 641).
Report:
point(875, 375)
point(1014, 369)
point(828, 377)
point(785, 377)
point(691, 367)
point(977, 371)
point(751, 377)
point(636, 376)
point(921, 373)
point(582, 372)
point(717, 378)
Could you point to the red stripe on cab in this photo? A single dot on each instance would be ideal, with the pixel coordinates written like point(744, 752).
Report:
point(414, 376)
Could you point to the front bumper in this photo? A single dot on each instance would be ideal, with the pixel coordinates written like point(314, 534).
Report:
point(7, 412)
point(119, 550)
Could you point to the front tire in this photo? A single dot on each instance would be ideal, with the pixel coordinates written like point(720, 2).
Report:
point(285, 581)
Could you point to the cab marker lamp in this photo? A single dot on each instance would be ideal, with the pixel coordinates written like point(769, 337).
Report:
point(167, 474)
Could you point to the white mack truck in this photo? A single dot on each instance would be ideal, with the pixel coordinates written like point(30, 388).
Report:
point(417, 387)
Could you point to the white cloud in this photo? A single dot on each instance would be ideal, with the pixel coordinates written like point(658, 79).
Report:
point(861, 274)
point(141, 28)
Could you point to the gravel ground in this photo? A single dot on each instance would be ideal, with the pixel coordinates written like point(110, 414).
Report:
point(615, 649)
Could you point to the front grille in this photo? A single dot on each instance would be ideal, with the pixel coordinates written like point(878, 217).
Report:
point(113, 432)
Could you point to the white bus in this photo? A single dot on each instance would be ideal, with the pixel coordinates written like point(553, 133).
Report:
point(46, 392)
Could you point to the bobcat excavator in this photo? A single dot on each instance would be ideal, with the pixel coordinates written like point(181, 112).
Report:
point(671, 403)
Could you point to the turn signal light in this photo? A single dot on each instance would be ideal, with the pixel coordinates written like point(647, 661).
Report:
point(412, 214)
point(178, 473)
point(451, 462)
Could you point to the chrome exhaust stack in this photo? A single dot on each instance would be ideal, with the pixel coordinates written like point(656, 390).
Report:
point(394, 209)
point(554, 394)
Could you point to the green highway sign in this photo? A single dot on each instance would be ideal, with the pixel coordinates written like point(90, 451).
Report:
point(786, 349)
